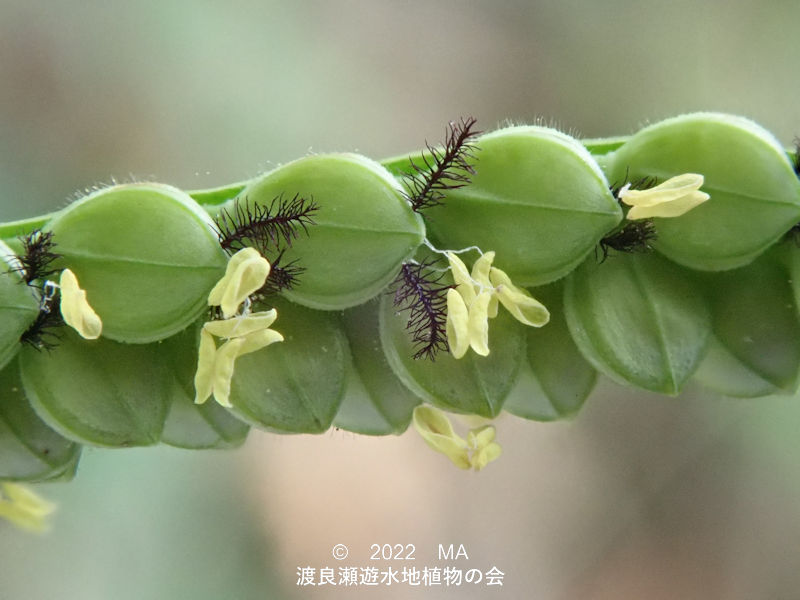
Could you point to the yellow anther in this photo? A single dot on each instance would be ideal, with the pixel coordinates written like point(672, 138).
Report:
point(241, 326)
point(437, 431)
point(523, 307)
point(477, 451)
point(672, 198)
point(480, 275)
point(478, 325)
point(246, 272)
point(484, 448)
point(478, 295)
point(24, 508)
point(257, 340)
point(75, 308)
point(215, 366)
point(457, 324)
point(204, 376)
point(224, 360)
point(464, 283)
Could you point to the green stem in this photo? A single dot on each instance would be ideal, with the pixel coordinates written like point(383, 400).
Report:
point(213, 197)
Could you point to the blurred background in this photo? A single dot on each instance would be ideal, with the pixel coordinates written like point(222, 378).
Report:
point(638, 497)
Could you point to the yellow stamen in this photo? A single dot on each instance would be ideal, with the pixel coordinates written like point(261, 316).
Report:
point(75, 308)
point(437, 431)
point(246, 272)
point(523, 307)
point(24, 508)
point(672, 198)
point(457, 324)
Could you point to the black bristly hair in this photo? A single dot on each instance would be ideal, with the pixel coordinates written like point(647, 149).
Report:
point(35, 261)
point(281, 277)
point(635, 236)
point(419, 291)
point(443, 168)
point(266, 228)
point(41, 334)
point(643, 183)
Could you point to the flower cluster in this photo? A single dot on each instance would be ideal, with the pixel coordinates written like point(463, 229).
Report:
point(475, 300)
point(477, 451)
point(246, 272)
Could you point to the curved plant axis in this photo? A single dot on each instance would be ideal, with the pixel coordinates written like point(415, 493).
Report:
point(497, 271)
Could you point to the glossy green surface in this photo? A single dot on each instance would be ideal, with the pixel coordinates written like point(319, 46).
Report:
point(538, 199)
point(472, 384)
point(556, 379)
point(756, 334)
point(18, 306)
point(638, 319)
point(755, 195)
point(29, 449)
point(146, 254)
point(376, 401)
point(364, 228)
point(99, 392)
point(294, 386)
point(190, 425)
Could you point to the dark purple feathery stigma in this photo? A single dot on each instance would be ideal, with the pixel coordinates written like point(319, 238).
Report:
point(419, 291)
point(448, 167)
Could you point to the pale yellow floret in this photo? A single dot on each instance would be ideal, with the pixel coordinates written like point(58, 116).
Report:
point(478, 295)
point(204, 376)
point(457, 324)
point(246, 272)
point(673, 198)
point(437, 431)
point(240, 326)
point(224, 361)
point(215, 366)
point(75, 308)
point(24, 508)
point(480, 274)
point(522, 306)
point(484, 448)
point(257, 340)
point(478, 324)
point(464, 284)
point(478, 450)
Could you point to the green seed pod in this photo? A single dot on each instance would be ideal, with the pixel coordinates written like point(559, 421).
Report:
point(556, 379)
point(755, 195)
point(29, 449)
point(99, 393)
point(191, 425)
point(538, 199)
point(18, 306)
point(146, 254)
point(473, 384)
point(376, 402)
point(638, 319)
point(363, 228)
point(294, 386)
point(755, 349)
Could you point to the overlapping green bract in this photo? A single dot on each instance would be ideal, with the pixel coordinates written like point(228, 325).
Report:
point(148, 254)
